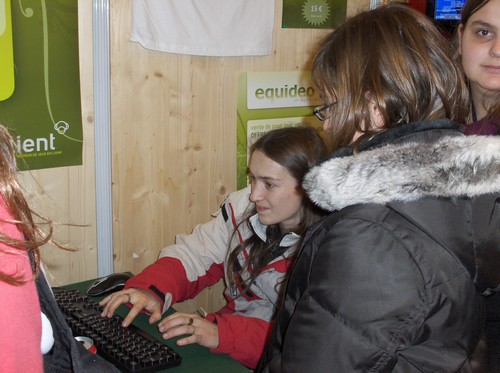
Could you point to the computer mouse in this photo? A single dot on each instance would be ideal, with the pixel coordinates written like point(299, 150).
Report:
point(108, 284)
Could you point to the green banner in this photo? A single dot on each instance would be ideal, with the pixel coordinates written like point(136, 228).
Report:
point(40, 82)
point(322, 14)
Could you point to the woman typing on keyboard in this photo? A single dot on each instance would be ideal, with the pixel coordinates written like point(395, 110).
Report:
point(251, 243)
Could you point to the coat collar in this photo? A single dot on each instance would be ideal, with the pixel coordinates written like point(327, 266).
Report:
point(287, 240)
point(409, 162)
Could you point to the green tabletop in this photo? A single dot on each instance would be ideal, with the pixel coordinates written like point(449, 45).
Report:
point(195, 358)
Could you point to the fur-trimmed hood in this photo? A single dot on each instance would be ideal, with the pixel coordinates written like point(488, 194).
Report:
point(408, 170)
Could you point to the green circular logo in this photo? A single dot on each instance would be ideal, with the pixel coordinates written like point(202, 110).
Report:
point(315, 12)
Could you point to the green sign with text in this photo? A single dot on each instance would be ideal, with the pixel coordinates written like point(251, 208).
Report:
point(322, 14)
point(40, 82)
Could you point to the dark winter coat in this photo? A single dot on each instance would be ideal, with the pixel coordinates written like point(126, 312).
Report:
point(393, 280)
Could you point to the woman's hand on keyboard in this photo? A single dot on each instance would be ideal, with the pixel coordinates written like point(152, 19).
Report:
point(197, 329)
point(138, 298)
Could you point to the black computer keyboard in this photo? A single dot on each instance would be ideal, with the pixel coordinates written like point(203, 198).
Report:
point(129, 349)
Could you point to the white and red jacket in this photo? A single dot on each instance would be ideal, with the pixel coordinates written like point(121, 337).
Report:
point(199, 259)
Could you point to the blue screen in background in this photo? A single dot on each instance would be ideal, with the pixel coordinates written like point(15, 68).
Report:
point(448, 10)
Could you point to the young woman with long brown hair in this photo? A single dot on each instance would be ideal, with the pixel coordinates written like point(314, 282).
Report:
point(250, 244)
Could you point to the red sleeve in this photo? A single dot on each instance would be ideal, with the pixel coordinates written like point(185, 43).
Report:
point(167, 275)
point(241, 337)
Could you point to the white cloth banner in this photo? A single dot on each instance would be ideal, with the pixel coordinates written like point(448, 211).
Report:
point(204, 27)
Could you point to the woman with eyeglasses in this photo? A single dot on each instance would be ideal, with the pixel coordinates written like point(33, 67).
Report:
point(394, 279)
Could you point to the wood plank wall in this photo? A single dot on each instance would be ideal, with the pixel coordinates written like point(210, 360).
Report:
point(173, 123)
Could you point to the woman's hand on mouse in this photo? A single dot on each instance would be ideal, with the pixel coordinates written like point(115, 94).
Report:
point(138, 298)
point(198, 329)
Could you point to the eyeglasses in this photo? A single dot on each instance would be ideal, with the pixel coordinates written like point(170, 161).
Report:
point(324, 112)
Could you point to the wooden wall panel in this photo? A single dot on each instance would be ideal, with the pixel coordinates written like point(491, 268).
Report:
point(174, 135)
point(173, 147)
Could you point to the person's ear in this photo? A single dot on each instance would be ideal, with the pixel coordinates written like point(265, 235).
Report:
point(376, 117)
